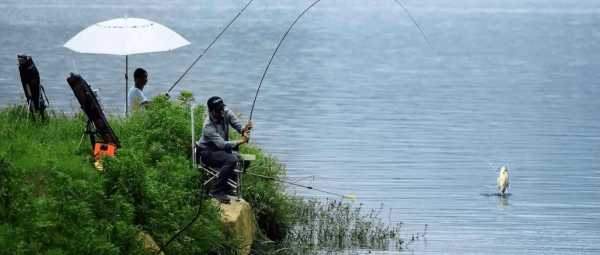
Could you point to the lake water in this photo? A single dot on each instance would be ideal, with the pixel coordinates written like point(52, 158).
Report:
point(357, 99)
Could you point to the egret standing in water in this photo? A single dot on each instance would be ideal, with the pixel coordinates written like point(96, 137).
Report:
point(502, 181)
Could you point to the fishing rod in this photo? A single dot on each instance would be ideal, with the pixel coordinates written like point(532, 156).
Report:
point(275, 52)
point(210, 45)
point(349, 196)
point(292, 25)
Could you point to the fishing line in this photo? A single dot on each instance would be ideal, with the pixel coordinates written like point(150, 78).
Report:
point(202, 191)
point(415, 22)
point(275, 52)
point(210, 45)
point(349, 196)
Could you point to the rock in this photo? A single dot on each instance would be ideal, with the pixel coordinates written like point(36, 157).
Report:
point(239, 222)
point(149, 244)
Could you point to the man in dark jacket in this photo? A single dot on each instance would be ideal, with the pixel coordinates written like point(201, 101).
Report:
point(215, 147)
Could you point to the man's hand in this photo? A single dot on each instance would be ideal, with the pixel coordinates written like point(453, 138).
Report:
point(246, 136)
point(248, 127)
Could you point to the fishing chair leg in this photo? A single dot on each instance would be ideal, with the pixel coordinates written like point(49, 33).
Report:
point(238, 171)
point(214, 174)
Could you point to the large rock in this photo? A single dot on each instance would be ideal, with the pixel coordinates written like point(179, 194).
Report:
point(239, 223)
point(149, 244)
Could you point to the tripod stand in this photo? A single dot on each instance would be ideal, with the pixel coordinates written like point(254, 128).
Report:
point(91, 131)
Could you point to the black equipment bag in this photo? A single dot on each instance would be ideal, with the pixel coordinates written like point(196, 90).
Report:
point(30, 78)
point(89, 103)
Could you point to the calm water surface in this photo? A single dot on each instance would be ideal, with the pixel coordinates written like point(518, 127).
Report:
point(357, 99)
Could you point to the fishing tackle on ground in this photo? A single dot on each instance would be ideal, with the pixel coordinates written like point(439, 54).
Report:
point(210, 45)
point(37, 101)
point(102, 137)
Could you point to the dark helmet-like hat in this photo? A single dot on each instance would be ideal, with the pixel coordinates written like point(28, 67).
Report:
point(215, 103)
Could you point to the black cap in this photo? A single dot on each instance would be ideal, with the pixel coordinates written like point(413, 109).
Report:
point(215, 103)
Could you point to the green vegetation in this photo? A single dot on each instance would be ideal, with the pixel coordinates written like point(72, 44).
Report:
point(331, 227)
point(53, 201)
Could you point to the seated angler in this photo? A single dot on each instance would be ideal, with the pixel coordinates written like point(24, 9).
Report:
point(215, 148)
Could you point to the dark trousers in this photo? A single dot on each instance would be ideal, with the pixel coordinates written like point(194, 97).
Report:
point(225, 161)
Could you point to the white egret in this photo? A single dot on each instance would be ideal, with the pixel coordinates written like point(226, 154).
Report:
point(502, 181)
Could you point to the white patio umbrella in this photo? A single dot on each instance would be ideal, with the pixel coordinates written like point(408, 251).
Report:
point(124, 37)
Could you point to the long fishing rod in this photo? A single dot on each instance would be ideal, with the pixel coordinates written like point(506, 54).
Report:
point(210, 45)
point(349, 196)
point(415, 22)
point(275, 52)
point(292, 25)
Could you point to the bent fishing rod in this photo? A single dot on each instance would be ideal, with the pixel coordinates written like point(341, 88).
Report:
point(292, 25)
point(210, 45)
point(262, 78)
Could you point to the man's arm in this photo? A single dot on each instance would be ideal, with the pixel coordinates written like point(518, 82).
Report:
point(233, 121)
point(245, 138)
point(236, 123)
point(211, 134)
point(144, 101)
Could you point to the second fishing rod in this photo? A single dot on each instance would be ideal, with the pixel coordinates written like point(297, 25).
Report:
point(209, 46)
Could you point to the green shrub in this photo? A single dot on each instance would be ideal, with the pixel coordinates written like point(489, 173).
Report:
point(51, 195)
point(271, 206)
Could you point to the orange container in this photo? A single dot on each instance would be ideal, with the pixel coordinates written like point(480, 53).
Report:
point(104, 150)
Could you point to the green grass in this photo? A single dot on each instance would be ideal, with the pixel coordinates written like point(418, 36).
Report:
point(52, 200)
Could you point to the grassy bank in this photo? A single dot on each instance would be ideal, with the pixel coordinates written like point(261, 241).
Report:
point(52, 200)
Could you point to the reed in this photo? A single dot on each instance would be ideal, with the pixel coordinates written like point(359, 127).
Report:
point(335, 227)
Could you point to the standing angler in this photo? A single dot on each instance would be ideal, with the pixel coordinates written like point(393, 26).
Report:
point(502, 181)
point(215, 148)
point(136, 98)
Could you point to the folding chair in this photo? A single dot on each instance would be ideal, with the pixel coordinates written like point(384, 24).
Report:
point(213, 173)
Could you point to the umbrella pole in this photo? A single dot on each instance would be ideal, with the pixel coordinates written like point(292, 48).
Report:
point(126, 84)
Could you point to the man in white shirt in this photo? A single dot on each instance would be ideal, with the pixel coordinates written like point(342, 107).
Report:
point(136, 99)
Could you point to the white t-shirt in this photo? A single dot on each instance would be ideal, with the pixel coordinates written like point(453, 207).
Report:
point(135, 99)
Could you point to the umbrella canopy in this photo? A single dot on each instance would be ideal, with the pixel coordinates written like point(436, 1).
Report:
point(126, 36)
